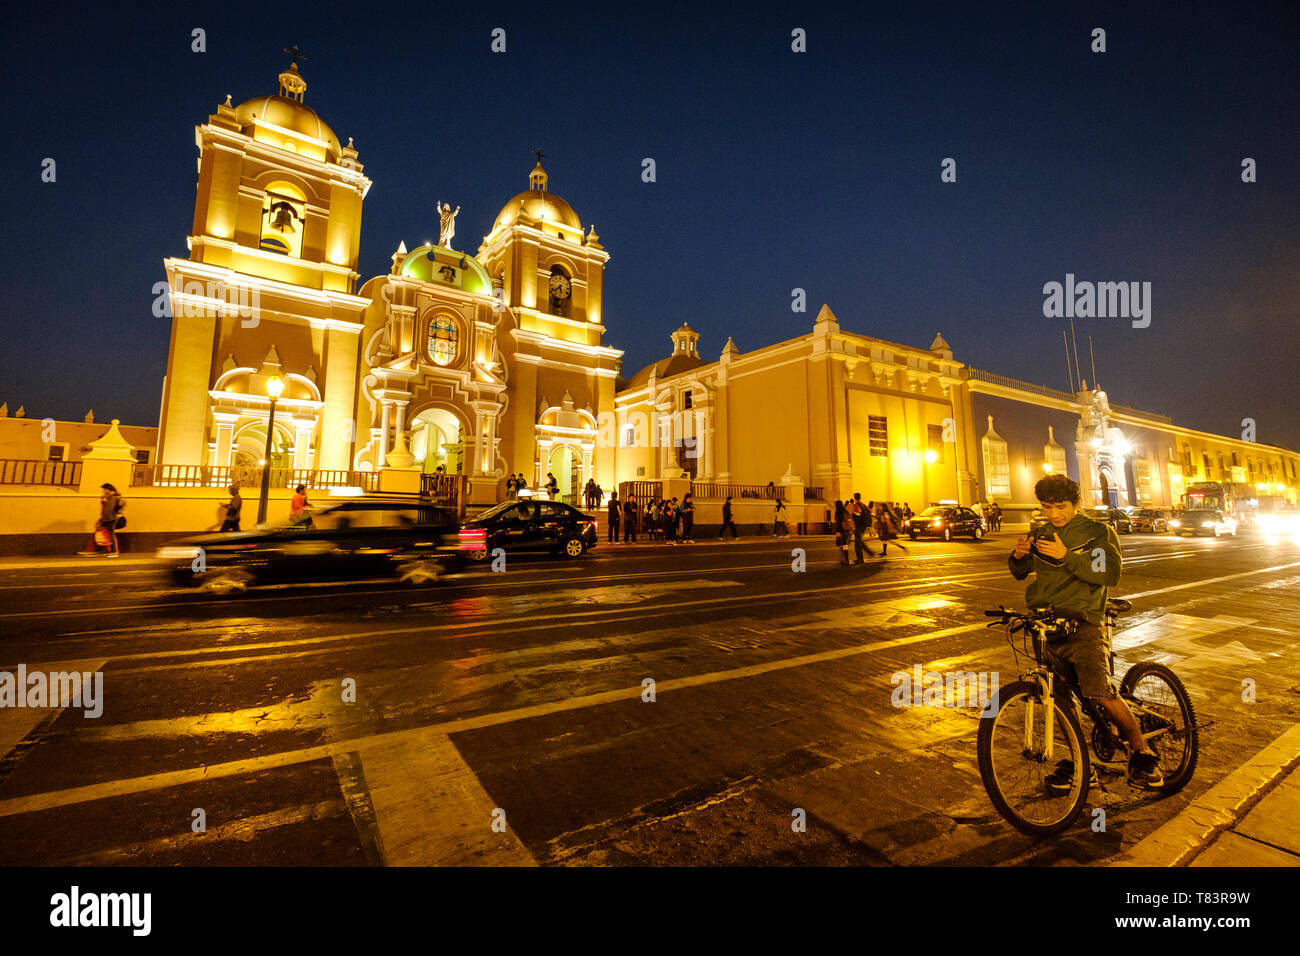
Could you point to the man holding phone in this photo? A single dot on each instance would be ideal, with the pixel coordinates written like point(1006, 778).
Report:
point(1075, 560)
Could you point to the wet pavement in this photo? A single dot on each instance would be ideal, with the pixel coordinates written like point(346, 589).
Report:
point(715, 704)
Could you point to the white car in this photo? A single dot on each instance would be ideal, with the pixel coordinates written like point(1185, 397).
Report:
point(1203, 522)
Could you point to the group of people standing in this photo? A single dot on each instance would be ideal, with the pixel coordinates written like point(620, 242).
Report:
point(662, 519)
point(854, 521)
point(593, 494)
point(992, 516)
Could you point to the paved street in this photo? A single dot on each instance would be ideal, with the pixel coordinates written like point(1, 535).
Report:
point(519, 697)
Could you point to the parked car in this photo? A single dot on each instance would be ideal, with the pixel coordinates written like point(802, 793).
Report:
point(1149, 519)
point(945, 521)
point(534, 525)
point(1200, 521)
point(356, 539)
point(1112, 516)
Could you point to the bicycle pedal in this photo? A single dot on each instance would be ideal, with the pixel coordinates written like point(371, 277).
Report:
point(1112, 767)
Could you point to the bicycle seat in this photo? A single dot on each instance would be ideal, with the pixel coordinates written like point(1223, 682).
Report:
point(1118, 605)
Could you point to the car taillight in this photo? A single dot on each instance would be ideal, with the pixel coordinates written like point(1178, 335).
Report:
point(472, 539)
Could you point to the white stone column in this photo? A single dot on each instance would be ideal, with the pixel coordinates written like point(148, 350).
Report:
point(225, 438)
point(383, 433)
point(302, 444)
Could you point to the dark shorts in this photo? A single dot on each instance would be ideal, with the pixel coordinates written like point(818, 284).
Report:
point(1089, 652)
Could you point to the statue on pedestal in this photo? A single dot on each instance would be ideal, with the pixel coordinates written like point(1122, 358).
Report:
point(447, 228)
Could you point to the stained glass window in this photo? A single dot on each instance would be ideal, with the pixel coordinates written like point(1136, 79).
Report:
point(442, 340)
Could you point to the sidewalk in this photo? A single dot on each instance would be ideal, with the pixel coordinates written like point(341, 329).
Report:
point(1247, 819)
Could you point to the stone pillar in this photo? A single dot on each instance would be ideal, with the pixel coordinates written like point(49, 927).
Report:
point(111, 460)
point(225, 438)
point(400, 476)
point(302, 443)
point(383, 432)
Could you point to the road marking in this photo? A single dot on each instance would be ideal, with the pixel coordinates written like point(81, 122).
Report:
point(1204, 581)
point(539, 620)
point(430, 808)
point(17, 722)
point(175, 778)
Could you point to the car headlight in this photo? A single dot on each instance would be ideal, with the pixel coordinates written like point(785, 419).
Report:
point(178, 554)
point(1207, 524)
point(1175, 523)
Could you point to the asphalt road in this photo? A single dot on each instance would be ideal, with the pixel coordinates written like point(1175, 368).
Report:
point(505, 718)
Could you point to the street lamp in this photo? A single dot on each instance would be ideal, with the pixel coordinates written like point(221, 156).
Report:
point(274, 388)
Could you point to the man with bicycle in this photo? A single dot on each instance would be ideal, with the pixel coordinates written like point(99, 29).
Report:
point(1075, 560)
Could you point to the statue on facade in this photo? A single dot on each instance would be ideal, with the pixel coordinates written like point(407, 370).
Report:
point(447, 227)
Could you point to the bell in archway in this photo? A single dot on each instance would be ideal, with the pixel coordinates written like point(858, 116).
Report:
point(282, 217)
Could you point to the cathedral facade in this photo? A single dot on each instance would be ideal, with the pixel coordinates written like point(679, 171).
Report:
point(479, 365)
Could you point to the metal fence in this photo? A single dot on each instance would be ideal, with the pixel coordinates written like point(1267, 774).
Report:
point(641, 490)
point(712, 491)
point(242, 476)
point(61, 473)
point(445, 490)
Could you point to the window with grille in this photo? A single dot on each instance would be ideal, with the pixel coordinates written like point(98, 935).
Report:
point(878, 436)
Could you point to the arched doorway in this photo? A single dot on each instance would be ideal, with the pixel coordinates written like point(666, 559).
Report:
point(1109, 495)
point(436, 440)
point(565, 463)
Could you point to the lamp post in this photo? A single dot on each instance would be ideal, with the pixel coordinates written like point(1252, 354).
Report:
point(274, 388)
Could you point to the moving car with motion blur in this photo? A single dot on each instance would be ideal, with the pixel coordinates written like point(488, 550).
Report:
point(945, 521)
point(1149, 519)
point(532, 525)
point(1207, 521)
point(412, 541)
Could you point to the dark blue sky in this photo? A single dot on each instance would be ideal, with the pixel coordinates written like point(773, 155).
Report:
point(818, 170)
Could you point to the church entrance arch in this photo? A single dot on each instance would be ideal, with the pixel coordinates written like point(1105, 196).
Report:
point(565, 463)
point(438, 438)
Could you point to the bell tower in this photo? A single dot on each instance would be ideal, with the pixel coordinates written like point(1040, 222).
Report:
point(271, 268)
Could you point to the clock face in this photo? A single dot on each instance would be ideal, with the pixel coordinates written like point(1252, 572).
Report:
point(559, 287)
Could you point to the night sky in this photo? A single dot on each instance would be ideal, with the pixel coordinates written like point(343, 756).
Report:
point(775, 170)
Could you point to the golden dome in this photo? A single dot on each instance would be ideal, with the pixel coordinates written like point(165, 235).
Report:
point(539, 204)
point(287, 112)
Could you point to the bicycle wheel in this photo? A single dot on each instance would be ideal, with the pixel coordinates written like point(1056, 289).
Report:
point(1014, 766)
point(1169, 717)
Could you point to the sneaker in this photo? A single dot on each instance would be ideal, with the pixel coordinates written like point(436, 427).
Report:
point(1144, 770)
point(112, 554)
point(1060, 779)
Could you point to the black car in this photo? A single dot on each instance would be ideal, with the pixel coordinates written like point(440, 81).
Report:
point(945, 521)
point(1117, 519)
point(365, 538)
point(533, 526)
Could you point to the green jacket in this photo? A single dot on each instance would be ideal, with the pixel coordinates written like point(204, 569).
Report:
point(1072, 584)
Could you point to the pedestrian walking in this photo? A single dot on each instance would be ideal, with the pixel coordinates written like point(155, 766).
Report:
point(614, 514)
point(300, 507)
point(995, 516)
point(511, 486)
point(843, 530)
point(688, 518)
point(629, 518)
point(779, 527)
point(233, 507)
point(861, 519)
point(887, 524)
point(726, 520)
point(110, 519)
point(600, 496)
